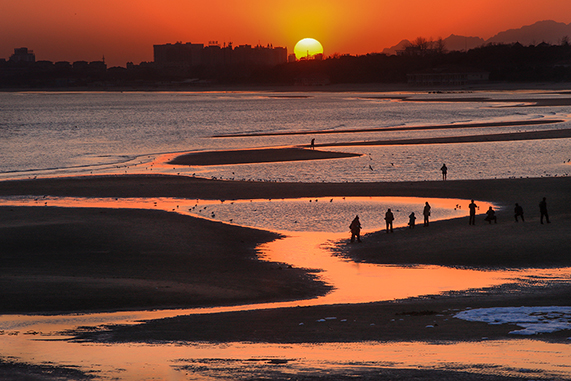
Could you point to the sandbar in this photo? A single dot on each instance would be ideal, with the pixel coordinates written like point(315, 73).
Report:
point(266, 155)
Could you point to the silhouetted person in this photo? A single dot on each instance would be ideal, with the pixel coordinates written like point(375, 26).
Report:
point(543, 211)
point(411, 220)
point(472, 206)
point(518, 212)
point(389, 218)
point(312, 143)
point(491, 216)
point(426, 213)
point(444, 170)
point(355, 228)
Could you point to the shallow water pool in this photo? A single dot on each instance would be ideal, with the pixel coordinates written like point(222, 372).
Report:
point(310, 232)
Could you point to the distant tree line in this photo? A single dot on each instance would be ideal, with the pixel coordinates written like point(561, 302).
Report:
point(504, 62)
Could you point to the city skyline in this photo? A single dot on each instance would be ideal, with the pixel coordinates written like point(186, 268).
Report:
point(126, 32)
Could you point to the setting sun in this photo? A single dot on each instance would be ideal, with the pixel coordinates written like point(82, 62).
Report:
point(307, 48)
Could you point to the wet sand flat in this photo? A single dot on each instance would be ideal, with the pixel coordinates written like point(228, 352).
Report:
point(405, 128)
point(501, 137)
point(518, 102)
point(71, 260)
point(294, 154)
point(118, 237)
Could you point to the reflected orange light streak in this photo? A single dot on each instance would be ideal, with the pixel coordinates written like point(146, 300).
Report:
point(441, 208)
point(353, 282)
point(527, 358)
point(363, 282)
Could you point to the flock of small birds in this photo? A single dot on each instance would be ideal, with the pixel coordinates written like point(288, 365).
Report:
point(213, 215)
point(233, 178)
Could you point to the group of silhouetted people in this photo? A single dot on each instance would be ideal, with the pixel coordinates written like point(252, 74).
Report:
point(389, 218)
point(518, 213)
point(355, 226)
point(425, 214)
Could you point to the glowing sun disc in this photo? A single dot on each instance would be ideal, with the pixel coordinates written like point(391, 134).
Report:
point(307, 48)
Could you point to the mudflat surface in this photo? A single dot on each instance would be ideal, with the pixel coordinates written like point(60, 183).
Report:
point(72, 260)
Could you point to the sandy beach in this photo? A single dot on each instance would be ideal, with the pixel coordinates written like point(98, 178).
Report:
point(68, 260)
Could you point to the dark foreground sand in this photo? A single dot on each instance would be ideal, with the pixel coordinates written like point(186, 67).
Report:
point(199, 262)
point(68, 260)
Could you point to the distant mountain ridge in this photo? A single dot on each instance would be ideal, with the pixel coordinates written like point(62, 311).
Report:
point(547, 31)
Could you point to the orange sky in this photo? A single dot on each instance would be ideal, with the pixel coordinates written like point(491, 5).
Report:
point(123, 30)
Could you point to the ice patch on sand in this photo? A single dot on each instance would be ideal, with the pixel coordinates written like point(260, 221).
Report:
point(533, 320)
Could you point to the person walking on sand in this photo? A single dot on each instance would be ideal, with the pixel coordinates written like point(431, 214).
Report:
point(312, 146)
point(411, 220)
point(426, 213)
point(355, 228)
point(543, 211)
point(472, 206)
point(518, 212)
point(389, 218)
point(444, 170)
point(491, 216)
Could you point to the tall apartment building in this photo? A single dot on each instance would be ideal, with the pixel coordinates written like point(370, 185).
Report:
point(23, 55)
point(179, 58)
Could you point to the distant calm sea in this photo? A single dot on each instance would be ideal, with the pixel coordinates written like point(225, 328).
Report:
point(45, 134)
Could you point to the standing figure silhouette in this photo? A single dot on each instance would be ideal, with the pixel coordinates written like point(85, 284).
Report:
point(411, 220)
point(426, 213)
point(472, 206)
point(543, 211)
point(518, 212)
point(444, 170)
point(389, 218)
point(355, 228)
